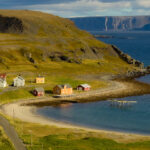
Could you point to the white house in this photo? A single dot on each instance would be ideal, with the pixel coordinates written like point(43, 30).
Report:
point(3, 83)
point(19, 81)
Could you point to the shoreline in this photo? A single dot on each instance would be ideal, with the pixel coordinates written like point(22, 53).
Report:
point(26, 111)
point(28, 114)
point(116, 89)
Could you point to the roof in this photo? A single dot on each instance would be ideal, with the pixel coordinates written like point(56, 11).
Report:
point(85, 85)
point(63, 85)
point(3, 75)
point(20, 77)
point(39, 89)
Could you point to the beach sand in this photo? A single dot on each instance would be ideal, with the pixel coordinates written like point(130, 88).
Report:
point(28, 113)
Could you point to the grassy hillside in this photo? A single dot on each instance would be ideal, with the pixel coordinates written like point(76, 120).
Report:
point(33, 43)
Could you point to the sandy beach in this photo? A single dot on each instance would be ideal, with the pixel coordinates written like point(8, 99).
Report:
point(28, 114)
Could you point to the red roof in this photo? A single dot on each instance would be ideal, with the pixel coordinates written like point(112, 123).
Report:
point(3, 76)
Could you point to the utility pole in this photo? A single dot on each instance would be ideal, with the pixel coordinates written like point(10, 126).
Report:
point(13, 115)
point(30, 138)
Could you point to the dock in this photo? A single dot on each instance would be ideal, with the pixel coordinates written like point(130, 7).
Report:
point(121, 102)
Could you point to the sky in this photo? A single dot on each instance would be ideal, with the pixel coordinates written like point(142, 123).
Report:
point(82, 8)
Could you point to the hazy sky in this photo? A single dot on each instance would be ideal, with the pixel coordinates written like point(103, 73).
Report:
point(73, 8)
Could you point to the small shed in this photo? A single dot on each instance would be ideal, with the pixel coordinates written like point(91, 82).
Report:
point(84, 87)
point(39, 91)
point(3, 83)
point(19, 81)
point(40, 79)
point(65, 89)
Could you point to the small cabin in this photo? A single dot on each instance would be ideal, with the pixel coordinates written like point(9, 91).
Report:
point(84, 87)
point(39, 92)
point(3, 83)
point(40, 79)
point(19, 81)
point(65, 89)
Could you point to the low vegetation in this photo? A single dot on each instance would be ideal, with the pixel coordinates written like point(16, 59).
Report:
point(5, 143)
point(37, 136)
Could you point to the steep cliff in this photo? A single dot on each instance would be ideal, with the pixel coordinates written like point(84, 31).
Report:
point(123, 23)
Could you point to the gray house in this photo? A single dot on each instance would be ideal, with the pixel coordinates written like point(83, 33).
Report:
point(3, 83)
point(19, 81)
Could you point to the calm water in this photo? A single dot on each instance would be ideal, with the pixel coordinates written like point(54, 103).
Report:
point(136, 44)
point(102, 115)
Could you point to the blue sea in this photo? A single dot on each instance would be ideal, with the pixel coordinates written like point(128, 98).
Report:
point(102, 115)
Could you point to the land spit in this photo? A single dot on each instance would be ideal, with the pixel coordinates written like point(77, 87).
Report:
point(115, 89)
point(26, 110)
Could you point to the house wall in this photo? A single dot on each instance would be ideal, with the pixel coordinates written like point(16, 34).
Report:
point(38, 93)
point(3, 84)
point(65, 91)
point(18, 82)
point(40, 80)
point(56, 90)
point(83, 88)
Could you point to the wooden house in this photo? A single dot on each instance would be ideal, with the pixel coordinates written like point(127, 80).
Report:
point(3, 83)
point(84, 87)
point(65, 89)
point(40, 79)
point(39, 91)
point(19, 81)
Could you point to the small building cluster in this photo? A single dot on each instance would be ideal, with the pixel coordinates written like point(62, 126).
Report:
point(58, 90)
point(62, 90)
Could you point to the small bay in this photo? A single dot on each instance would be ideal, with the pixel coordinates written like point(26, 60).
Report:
point(101, 115)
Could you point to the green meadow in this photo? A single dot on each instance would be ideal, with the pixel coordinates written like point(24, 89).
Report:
point(5, 143)
point(46, 137)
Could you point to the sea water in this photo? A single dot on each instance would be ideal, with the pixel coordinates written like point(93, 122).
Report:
point(134, 118)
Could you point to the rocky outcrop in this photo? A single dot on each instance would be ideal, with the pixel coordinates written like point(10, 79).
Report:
point(120, 23)
point(10, 25)
point(58, 56)
point(128, 58)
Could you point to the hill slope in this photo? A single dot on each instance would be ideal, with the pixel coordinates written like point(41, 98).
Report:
point(41, 43)
point(122, 23)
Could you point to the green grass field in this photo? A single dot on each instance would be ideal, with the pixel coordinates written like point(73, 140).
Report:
point(45, 137)
point(5, 143)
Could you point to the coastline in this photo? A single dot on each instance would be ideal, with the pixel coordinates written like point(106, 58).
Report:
point(26, 111)
point(28, 114)
point(116, 89)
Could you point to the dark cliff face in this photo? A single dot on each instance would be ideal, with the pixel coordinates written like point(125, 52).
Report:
point(112, 23)
point(10, 25)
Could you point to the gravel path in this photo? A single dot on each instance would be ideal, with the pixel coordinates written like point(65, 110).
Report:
point(12, 134)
